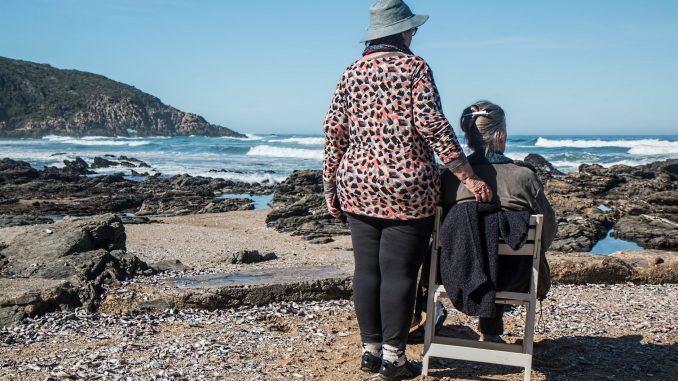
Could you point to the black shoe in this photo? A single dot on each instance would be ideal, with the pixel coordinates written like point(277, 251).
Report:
point(407, 371)
point(370, 363)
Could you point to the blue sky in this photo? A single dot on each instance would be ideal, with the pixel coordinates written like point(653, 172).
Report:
point(557, 67)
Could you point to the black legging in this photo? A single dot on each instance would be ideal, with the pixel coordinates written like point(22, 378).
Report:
point(387, 254)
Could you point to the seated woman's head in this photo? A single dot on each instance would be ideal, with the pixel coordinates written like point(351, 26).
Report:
point(484, 126)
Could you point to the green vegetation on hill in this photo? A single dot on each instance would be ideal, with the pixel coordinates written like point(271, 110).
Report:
point(38, 99)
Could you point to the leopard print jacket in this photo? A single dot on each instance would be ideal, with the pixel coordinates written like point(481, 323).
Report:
point(382, 127)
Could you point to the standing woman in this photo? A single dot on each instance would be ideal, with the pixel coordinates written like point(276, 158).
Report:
point(383, 125)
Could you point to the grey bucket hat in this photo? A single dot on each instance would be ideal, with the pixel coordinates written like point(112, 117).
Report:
point(388, 17)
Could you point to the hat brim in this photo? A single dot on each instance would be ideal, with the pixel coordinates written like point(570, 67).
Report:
point(401, 26)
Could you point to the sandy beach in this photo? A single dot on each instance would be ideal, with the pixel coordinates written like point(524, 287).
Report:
point(620, 332)
point(206, 242)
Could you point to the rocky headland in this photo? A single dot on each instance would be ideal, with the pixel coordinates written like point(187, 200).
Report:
point(38, 100)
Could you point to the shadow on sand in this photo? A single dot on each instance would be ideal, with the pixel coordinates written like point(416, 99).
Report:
point(573, 358)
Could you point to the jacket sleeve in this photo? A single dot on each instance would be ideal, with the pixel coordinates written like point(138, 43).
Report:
point(430, 121)
point(336, 140)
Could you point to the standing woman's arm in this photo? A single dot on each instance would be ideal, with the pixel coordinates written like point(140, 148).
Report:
point(431, 123)
point(336, 141)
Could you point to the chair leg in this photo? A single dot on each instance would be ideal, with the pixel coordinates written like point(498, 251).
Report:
point(424, 364)
point(528, 371)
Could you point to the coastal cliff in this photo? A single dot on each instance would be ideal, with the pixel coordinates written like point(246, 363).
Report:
point(38, 100)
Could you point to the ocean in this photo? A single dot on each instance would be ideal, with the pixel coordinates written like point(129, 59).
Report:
point(271, 158)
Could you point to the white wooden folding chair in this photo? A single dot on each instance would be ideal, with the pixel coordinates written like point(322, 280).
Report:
point(484, 351)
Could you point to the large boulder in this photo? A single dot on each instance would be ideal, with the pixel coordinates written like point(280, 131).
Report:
point(63, 265)
point(298, 207)
point(16, 171)
point(40, 247)
point(542, 167)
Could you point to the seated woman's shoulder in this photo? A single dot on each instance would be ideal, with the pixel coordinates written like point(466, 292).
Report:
point(524, 173)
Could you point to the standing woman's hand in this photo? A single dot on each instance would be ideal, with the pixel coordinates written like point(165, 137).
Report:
point(333, 207)
point(479, 188)
point(473, 183)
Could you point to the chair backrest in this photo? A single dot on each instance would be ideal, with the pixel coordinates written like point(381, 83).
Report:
point(533, 244)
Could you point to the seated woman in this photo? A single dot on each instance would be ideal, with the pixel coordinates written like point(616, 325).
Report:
point(515, 187)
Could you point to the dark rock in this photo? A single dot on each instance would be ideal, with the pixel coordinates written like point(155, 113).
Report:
point(16, 171)
point(138, 174)
point(544, 169)
point(321, 240)
point(251, 256)
point(650, 232)
point(22, 220)
point(78, 166)
point(298, 207)
point(62, 192)
point(649, 190)
point(136, 220)
point(580, 232)
point(139, 163)
point(168, 265)
point(100, 162)
point(21, 298)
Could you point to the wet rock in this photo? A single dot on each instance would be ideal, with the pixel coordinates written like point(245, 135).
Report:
point(7, 220)
point(580, 232)
point(16, 171)
point(62, 192)
point(138, 174)
point(139, 163)
point(651, 232)
point(228, 205)
point(251, 256)
point(78, 166)
point(100, 162)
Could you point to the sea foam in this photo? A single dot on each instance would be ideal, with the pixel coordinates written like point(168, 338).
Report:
point(599, 143)
point(298, 153)
point(97, 141)
point(303, 141)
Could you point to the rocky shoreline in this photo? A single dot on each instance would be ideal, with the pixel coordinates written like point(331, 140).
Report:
point(28, 194)
point(287, 265)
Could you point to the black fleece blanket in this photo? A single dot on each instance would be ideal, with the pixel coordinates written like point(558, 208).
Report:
point(469, 239)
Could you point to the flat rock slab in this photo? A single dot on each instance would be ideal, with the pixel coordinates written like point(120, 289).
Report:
point(643, 266)
point(23, 297)
point(218, 291)
point(262, 277)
